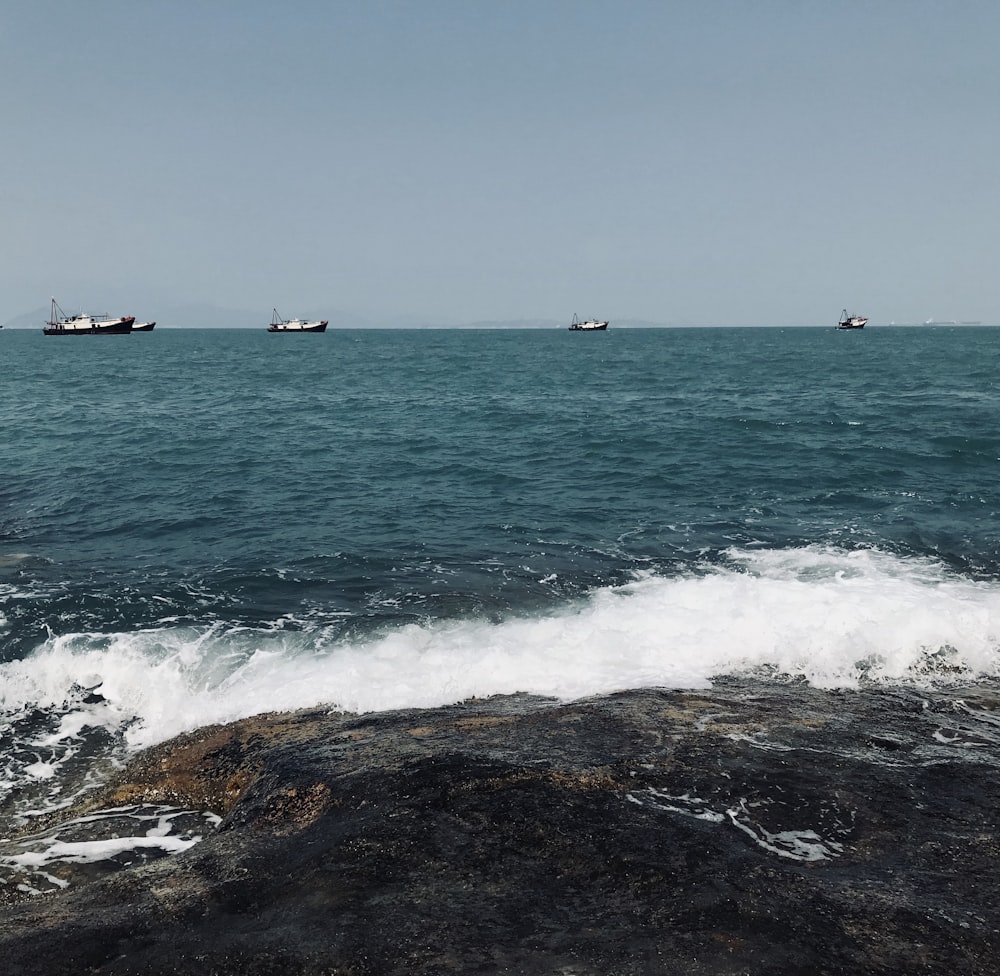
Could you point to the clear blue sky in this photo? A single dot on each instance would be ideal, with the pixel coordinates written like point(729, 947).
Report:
point(703, 162)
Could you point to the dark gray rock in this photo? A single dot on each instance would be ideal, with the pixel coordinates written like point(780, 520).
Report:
point(754, 828)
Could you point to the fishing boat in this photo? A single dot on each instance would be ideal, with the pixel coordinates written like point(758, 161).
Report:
point(589, 325)
point(143, 326)
point(278, 324)
point(851, 321)
point(83, 324)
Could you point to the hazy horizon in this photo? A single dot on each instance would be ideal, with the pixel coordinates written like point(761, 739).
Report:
point(685, 163)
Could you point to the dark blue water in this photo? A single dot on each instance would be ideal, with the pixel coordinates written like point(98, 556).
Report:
point(200, 524)
point(385, 464)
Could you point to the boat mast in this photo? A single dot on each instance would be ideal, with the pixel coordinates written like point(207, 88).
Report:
point(56, 314)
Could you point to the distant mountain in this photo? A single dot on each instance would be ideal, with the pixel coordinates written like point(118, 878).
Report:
point(29, 320)
point(511, 324)
point(555, 324)
point(643, 324)
point(194, 315)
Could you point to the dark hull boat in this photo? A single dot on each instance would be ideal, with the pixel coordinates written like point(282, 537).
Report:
point(851, 321)
point(62, 324)
point(143, 327)
point(278, 324)
point(590, 325)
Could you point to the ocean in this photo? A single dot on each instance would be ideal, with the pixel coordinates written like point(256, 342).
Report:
point(201, 525)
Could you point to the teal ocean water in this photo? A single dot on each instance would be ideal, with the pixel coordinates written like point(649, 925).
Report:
point(197, 525)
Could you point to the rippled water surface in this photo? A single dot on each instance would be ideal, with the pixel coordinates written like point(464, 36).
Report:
point(199, 524)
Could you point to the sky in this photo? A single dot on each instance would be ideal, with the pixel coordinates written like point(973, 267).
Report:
point(697, 162)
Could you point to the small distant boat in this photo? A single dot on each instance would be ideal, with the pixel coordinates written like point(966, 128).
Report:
point(62, 324)
point(143, 326)
point(590, 325)
point(278, 324)
point(851, 321)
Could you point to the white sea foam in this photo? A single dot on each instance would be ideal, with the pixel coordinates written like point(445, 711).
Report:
point(99, 844)
point(99, 850)
point(835, 618)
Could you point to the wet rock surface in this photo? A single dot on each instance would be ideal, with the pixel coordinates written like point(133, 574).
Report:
point(752, 828)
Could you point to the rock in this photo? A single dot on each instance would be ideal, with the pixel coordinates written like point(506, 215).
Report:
point(754, 828)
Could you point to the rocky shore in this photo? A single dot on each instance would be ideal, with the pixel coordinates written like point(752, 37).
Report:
point(753, 828)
